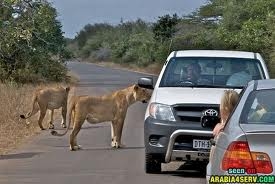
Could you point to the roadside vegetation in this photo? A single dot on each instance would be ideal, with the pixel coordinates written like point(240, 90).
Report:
point(221, 24)
point(32, 55)
point(15, 100)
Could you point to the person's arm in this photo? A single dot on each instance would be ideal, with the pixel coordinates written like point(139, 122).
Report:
point(218, 128)
point(257, 115)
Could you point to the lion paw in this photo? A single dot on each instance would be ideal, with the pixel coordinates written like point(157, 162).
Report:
point(117, 145)
point(51, 126)
point(74, 148)
point(63, 125)
point(114, 144)
point(79, 147)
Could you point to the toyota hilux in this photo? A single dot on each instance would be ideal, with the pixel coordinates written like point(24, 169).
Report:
point(184, 106)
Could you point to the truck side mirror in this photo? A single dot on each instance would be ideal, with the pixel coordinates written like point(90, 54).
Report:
point(146, 82)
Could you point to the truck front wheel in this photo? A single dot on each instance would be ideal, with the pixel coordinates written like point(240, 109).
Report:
point(152, 164)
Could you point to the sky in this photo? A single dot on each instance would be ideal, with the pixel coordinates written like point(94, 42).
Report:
point(75, 14)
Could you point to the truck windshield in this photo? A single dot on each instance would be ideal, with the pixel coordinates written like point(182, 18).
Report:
point(211, 72)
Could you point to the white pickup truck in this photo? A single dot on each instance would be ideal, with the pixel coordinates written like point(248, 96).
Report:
point(183, 109)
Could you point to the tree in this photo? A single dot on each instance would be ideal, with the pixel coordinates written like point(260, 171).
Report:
point(31, 41)
point(165, 27)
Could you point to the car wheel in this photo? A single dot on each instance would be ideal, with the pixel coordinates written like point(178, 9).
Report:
point(152, 164)
point(201, 167)
point(202, 171)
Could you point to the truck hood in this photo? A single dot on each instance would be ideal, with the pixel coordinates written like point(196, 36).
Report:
point(171, 96)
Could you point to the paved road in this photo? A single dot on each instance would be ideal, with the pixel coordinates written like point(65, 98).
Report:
point(47, 159)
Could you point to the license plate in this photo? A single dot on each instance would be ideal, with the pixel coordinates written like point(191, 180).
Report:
point(201, 144)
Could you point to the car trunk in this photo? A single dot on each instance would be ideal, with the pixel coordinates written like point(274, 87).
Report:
point(261, 138)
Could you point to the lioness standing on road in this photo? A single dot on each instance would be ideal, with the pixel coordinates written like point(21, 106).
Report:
point(49, 98)
point(112, 107)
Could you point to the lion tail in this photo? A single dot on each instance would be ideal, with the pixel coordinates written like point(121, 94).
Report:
point(35, 108)
point(71, 111)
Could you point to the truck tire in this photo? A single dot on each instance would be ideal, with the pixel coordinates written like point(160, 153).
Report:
point(152, 165)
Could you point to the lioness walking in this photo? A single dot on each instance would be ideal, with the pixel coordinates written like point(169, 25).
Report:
point(112, 107)
point(49, 98)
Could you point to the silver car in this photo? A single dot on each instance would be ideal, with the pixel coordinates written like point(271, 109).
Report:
point(245, 151)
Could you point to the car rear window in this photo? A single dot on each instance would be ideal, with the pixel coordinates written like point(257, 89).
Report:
point(259, 107)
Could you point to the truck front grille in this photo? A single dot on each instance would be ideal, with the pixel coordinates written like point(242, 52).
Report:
point(192, 112)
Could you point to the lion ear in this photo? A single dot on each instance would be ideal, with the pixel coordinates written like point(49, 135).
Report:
point(135, 87)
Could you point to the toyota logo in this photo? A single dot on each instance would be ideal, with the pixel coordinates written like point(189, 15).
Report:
point(210, 112)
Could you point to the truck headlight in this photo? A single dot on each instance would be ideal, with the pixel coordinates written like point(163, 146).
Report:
point(161, 112)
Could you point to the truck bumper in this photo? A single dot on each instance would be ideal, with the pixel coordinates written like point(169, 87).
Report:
point(174, 141)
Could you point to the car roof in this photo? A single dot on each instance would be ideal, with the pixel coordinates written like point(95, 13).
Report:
point(212, 53)
point(263, 84)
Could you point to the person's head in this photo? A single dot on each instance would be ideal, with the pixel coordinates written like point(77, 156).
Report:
point(228, 102)
point(193, 72)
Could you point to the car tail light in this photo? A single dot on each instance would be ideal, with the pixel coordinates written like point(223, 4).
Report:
point(262, 162)
point(238, 155)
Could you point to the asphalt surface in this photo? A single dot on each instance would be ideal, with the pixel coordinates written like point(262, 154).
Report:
point(46, 159)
